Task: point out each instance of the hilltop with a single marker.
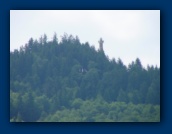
(72, 81)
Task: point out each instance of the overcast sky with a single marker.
(127, 34)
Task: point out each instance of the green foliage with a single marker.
(69, 81)
(92, 111)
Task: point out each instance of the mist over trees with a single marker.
(70, 81)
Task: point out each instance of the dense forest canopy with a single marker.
(70, 81)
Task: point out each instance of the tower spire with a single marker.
(101, 41)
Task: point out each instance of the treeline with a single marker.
(48, 77)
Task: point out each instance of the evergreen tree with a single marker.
(72, 81)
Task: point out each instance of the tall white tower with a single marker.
(101, 44)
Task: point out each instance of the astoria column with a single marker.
(101, 44)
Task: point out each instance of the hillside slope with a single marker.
(71, 81)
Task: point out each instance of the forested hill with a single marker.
(72, 81)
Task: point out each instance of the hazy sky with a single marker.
(127, 34)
